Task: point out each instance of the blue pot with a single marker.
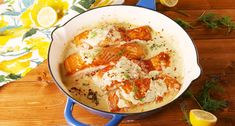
(139, 15)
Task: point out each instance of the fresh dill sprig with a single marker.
(214, 21)
(205, 98)
(183, 24)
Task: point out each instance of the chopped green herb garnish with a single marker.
(127, 76)
(142, 99)
(183, 24)
(155, 46)
(135, 89)
(93, 34)
(120, 53)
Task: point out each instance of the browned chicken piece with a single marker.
(141, 33)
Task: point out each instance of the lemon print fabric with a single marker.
(25, 31)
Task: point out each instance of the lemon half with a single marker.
(202, 118)
(46, 17)
(169, 3)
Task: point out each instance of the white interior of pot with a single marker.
(133, 15)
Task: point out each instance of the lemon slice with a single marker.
(199, 117)
(169, 3)
(46, 17)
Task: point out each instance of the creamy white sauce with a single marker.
(96, 35)
(157, 88)
(88, 55)
(129, 97)
(123, 70)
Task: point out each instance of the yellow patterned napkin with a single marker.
(24, 40)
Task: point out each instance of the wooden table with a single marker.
(35, 99)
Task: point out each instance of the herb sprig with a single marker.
(211, 20)
(205, 98)
(183, 24)
(214, 21)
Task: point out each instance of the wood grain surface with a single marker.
(36, 101)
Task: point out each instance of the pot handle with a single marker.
(73, 122)
(150, 4)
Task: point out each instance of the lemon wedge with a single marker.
(169, 3)
(46, 17)
(199, 117)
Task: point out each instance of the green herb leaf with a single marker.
(215, 21)
(29, 33)
(183, 24)
(205, 99)
(156, 46)
(2, 78)
(78, 9)
(227, 21)
(13, 76)
(93, 34)
(120, 53)
(135, 89)
(127, 76)
(86, 3)
(142, 99)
